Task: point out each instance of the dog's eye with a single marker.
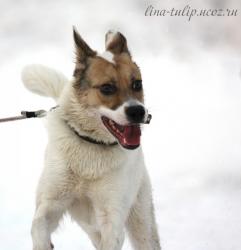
(136, 85)
(108, 89)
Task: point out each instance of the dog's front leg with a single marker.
(46, 218)
(110, 221)
(141, 222)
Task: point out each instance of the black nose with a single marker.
(135, 113)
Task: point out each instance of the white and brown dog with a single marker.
(94, 167)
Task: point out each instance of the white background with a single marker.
(191, 75)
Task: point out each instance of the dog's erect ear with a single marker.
(82, 49)
(116, 43)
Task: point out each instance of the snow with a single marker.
(192, 147)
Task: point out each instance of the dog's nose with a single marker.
(135, 113)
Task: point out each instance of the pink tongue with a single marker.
(132, 135)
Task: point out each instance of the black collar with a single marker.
(91, 140)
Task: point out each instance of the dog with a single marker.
(94, 167)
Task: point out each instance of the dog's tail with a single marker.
(43, 80)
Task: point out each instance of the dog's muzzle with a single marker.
(137, 114)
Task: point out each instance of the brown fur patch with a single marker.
(100, 71)
(118, 44)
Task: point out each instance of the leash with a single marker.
(28, 114)
(25, 115)
(41, 113)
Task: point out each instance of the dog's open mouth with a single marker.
(128, 136)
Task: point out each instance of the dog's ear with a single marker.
(83, 51)
(116, 43)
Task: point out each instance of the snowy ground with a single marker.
(192, 146)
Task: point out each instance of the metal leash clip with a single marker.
(25, 115)
(33, 114)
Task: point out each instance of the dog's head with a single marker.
(110, 85)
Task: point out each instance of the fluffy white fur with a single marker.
(105, 189)
(108, 56)
(43, 80)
